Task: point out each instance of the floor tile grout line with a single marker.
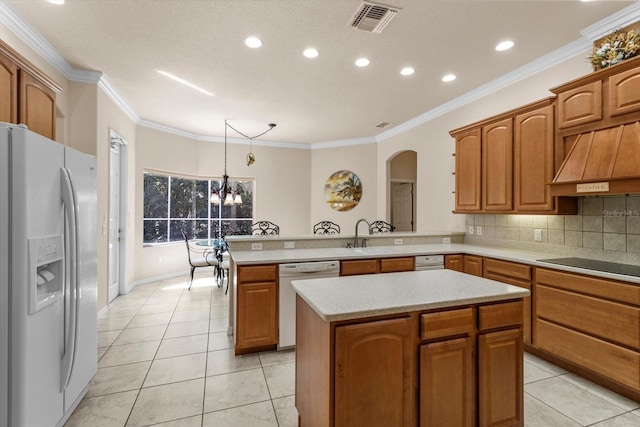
(554, 409)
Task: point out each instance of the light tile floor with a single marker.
(165, 360)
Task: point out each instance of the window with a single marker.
(173, 204)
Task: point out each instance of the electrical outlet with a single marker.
(470, 230)
(479, 230)
(446, 240)
(397, 241)
(256, 246)
(159, 260)
(289, 245)
(537, 235)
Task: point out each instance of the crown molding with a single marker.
(112, 92)
(622, 18)
(343, 143)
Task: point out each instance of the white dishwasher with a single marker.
(287, 299)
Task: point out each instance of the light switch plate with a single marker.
(470, 230)
(446, 240)
(256, 246)
(289, 245)
(479, 230)
(398, 242)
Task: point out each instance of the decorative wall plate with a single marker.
(343, 190)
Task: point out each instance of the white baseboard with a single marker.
(103, 312)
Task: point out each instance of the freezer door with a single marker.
(35, 338)
(82, 171)
(4, 277)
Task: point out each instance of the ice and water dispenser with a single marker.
(46, 267)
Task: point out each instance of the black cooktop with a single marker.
(590, 264)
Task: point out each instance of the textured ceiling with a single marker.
(324, 99)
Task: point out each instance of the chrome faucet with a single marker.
(355, 240)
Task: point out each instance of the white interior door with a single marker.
(402, 206)
(114, 219)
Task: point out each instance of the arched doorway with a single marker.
(403, 168)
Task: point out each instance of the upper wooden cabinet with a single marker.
(468, 170)
(580, 105)
(624, 92)
(497, 166)
(533, 160)
(504, 164)
(27, 95)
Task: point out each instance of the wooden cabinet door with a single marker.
(473, 265)
(580, 105)
(500, 377)
(624, 92)
(391, 265)
(533, 160)
(257, 315)
(8, 90)
(497, 166)
(374, 374)
(468, 171)
(454, 262)
(447, 390)
(37, 106)
(359, 266)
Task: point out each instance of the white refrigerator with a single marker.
(48, 288)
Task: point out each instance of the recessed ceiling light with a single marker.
(448, 77)
(56, 1)
(311, 53)
(362, 62)
(407, 71)
(505, 45)
(253, 42)
(185, 82)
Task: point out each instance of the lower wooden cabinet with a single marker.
(377, 265)
(473, 265)
(447, 390)
(257, 308)
(374, 374)
(500, 378)
(454, 262)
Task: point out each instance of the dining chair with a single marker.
(264, 228)
(381, 227)
(207, 259)
(326, 227)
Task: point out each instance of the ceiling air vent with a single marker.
(373, 17)
(383, 125)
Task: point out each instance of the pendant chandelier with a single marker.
(225, 193)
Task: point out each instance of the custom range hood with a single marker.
(601, 162)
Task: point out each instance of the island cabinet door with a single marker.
(374, 374)
(446, 384)
(500, 376)
(257, 321)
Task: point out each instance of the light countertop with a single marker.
(355, 297)
(332, 254)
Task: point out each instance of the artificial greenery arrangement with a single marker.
(615, 48)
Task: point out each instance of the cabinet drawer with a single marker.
(360, 266)
(257, 273)
(591, 315)
(390, 265)
(506, 269)
(624, 92)
(580, 105)
(619, 364)
(608, 289)
(499, 315)
(446, 323)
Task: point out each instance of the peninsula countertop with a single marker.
(332, 254)
(355, 297)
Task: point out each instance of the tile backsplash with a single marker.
(605, 227)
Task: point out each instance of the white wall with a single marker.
(359, 159)
(434, 145)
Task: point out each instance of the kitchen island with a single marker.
(405, 349)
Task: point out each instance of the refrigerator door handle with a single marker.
(71, 279)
